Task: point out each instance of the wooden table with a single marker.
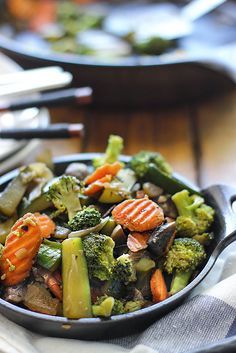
(198, 140)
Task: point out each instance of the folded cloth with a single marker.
(204, 323)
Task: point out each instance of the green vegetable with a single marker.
(152, 46)
(103, 306)
(104, 309)
(112, 153)
(144, 265)
(109, 226)
(195, 217)
(170, 183)
(76, 288)
(5, 228)
(15, 190)
(111, 195)
(98, 249)
(127, 177)
(49, 255)
(87, 218)
(65, 195)
(141, 161)
(84, 232)
(204, 238)
(39, 204)
(124, 270)
(131, 306)
(183, 258)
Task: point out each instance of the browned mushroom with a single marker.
(161, 239)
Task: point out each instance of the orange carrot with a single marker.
(102, 171)
(97, 185)
(138, 215)
(22, 244)
(46, 225)
(158, 287)
(137, 241)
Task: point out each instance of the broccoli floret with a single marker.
(118, 307)
(183, 258)
(98, 249)
(195, 217)
(65, 195)
(113, 150)
(124, 270)
(204, 238)
(87, 218)
(140, 163)
(131, 306)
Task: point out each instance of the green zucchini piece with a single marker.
(76, 288)
(170, 184)
(49, 255)
(12, 195)
(109, 226)
(5, 228)
(39, 204)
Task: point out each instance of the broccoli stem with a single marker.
(179, 281)
(76, 288)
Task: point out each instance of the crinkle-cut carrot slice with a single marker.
(97, 185)
(46, 224)
(138, 215)
(22, 245)
(158, 287)
(102, 171)
(137, 241)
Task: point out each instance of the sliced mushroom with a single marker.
(161, 239)
(15, 294)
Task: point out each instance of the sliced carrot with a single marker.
(102, 171)
(137, 241)
(158, 287)
(97, 185)
(138, 215)
(22, 244)
(46, 225)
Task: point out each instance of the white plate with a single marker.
(14, 152)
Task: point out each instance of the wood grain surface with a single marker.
(199, 141)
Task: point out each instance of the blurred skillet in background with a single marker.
(124, 72)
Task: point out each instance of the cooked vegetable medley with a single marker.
(105, 240)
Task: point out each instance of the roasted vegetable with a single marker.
(38, 298)
(103, 307)
(183, 258)
(195, 217)
(104, 170)
(49, 255)
(87, 218)
(5, 228)
(95, 229)
(76, 288)
(65, 195)
(141, 161)
(22, 244)
(98, 249)
(158, 287)
(12, 195)
(137, 241)
(138, 215)
(39, 204)
(161, 239)
(46, 224)
(124, 270)
(113, 151)
(170, 183)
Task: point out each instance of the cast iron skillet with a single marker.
(220, 197)
(146, 81)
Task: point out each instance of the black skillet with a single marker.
(220, 197)
(205, 69)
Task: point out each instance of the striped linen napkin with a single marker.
(204, 323)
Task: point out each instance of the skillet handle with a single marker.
(222, 198)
